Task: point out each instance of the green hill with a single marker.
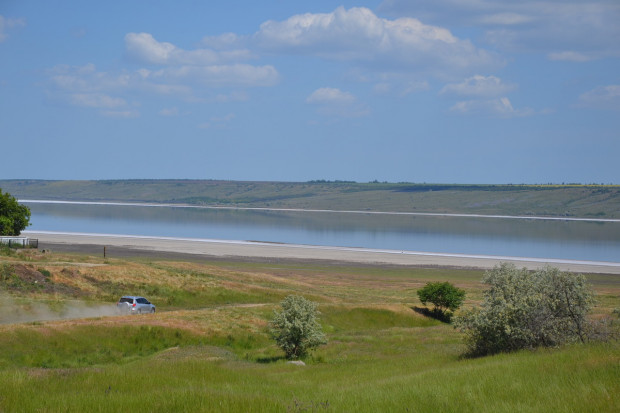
(602, 201)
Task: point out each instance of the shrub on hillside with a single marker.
(296, 328)
(525, 309)
(444, 296)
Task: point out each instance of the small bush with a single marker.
(296, 328)
(524, 309)
(444, 296)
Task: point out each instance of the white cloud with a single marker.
(382, 88)
(144, 48)
(603, 97)
(96, 100)
(335, 102)
(239, 75)
(387, 50)
(223, 41)
(589, 27)
(235, 96)
(201, 66)
(569, 56)
(87, 79)
(404, 88)
(487, 97)
(330, 95)
(217, 121)
(226, 118)
(87, 86)
(501, 107)
(483, 86)
(169, 111)
(358, 35)
(505, 19)
(7, 24)
(413, 87)
(123, 114)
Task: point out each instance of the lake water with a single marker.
(559, 239)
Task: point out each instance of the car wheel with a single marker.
(140, 311)
(152, 310)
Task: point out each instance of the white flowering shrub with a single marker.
(527, 309)
(296, 328)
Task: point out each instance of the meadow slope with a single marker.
(207, 347)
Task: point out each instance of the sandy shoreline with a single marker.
(151, 246)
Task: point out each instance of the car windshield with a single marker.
(126, 300)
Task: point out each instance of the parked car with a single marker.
(131, 304)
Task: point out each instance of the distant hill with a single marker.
(600, 201)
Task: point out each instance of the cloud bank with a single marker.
(576, 30)
(359, 36)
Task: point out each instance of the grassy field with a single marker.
(207, 347)
(592, 201)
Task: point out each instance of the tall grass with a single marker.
(209, 350)
(581, 378)
(39, 346)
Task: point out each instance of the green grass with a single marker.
(417, 378)
(360, 319)
(81, 346)
(208, 349)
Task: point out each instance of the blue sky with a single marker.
(443, 91)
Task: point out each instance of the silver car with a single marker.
(131, 304)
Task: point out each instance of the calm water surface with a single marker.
(594, 241)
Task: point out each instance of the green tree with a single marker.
(444, 296)
(13, 217)
(527, 309)
(296, 328)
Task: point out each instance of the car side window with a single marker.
(141, 301)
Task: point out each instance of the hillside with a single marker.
(602, 201)
(208, 348)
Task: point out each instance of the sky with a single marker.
(442, 91)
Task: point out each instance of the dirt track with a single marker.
(125, 246)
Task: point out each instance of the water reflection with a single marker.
(598, 241)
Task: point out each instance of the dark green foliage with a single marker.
(13, 217)
(524, 309)
(444, 296)
(296, 328)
